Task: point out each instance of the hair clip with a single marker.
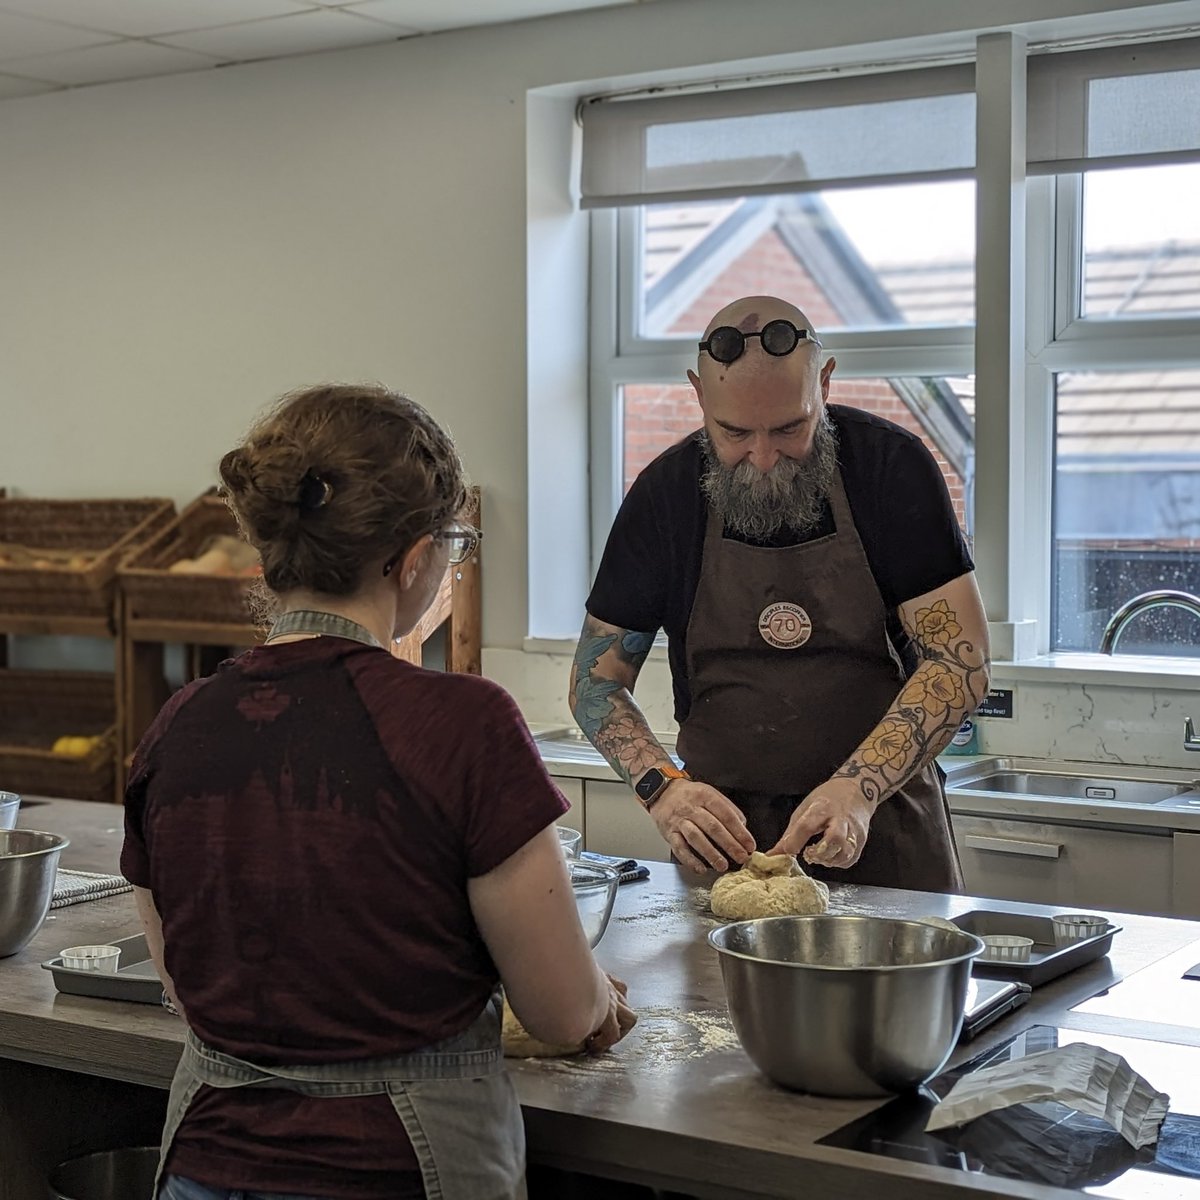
(315, 491)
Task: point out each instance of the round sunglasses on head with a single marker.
(778, 338)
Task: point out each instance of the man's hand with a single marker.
(837, 813)
(703, 828)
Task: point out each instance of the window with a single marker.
(862, 258)
(1141, 242)
(704, 198)
(938, 410)
(1127, 505)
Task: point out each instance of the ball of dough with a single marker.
(517, 1043)
(769, 885)
(940, 923)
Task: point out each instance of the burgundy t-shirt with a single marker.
(307, 819)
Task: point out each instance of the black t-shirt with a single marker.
(651, 565)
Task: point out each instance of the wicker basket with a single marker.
(37, 708)
(153, 594)
(104, 530)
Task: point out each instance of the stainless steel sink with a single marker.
(1063, 785)
(570, 744)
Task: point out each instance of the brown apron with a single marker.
(790, 667)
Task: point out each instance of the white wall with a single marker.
(176, 252)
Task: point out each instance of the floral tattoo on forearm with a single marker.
(950, 680)
(604, 707)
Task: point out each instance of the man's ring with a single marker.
(852, 840)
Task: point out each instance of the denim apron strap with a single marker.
(455, 1100)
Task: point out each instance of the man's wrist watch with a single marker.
(652, 785)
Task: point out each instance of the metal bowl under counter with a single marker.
(125, 1174)
(28, 869)
(846, 1005)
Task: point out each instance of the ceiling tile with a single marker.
(20, 37)
(430, 15)
(320, 29)
(104, 64)
(149, 18)
(11, 87)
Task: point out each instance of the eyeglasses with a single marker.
(778, 338)
(462, 540)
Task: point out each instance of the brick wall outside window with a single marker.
(658, 415)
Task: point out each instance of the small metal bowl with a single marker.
(595, 888)
(846, 1005)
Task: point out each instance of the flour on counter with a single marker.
(846, 899)
(661, 1038)
(666, 1035)
(658, 906)
(655, 907)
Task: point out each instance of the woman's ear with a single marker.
(409, 567)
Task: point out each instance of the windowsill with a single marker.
(1118, 670)
(566, 647)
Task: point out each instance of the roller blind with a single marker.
(871, 129)
(1132, 106)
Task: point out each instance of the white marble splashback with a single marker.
(1094, 722)
(1054, 717)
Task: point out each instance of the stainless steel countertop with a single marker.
(676, 1104)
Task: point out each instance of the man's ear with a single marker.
(697, 387)
(826, 372)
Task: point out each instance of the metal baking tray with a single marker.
(135, 978)
(1047, 959)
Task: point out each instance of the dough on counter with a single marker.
(769, 885)
(518, 1043)
(940, 923)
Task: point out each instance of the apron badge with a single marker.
(784, 626)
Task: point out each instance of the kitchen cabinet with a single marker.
(1185, 877)
(572, 790)
(615, 823)
(1070, 866)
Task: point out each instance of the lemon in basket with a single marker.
(76, 747)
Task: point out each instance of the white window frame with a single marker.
(1058, 339)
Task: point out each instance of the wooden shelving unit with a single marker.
(59, 601)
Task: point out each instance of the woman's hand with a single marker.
(619, 1021)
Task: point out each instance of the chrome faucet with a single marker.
(1166, 598)
(1190, 740)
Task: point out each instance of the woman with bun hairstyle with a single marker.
(339, 857)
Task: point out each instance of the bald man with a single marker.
(826, 637)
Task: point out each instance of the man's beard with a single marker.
(758, 505)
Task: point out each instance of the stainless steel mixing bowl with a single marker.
(845, 1006)
(28, 868)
